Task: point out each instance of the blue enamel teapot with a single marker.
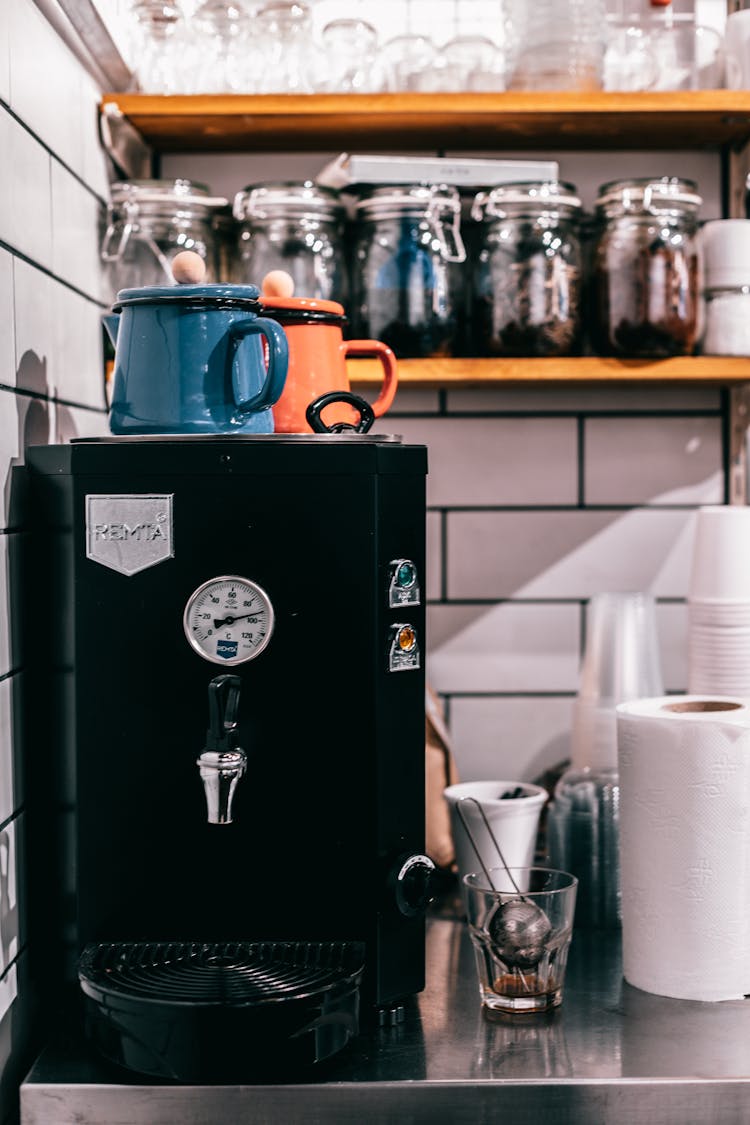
(194, 358)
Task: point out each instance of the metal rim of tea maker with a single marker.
(240, 439)
(517, 927)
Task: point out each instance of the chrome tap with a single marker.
(222, 763)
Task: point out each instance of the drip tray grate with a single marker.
(238, 972)
(220, 1011)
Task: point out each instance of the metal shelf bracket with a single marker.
(124, 144)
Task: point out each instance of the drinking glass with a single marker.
(688, 57)
(162, 47)
(282, 50)
(405, 60)
(521, 938)
(222, 28)
(679, 55)
(465, 63)
(555, 44)
(630, 60)
(348, 63)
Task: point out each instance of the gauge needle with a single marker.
(218, 622)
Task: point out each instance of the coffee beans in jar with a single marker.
(646, 268)
(527, 275)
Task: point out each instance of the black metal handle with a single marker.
(366, 413)
(223, 704)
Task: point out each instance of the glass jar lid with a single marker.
(163, 198)
(532, 198)
(258, 202)
(392, 200)
(653, 195)
(438, 204)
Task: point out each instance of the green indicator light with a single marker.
(406, 575)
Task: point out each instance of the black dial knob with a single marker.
(414, 884)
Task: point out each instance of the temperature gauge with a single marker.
(228, 620)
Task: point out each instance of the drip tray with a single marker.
(221, 1011)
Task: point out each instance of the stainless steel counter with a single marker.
(610, 1054)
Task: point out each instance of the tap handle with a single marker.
(223, 704)
(222, 762)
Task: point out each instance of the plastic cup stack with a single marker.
(621, 662)
(719, 603)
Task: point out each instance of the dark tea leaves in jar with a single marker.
(646, 271)
(527, 275)
(407, 281)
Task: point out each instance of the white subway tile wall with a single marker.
(5, 52)
(650, 460)
(53, 191)
(509, 737)
(492, 461)
(8, 334)
(537, 500)
(45, 84)
(589, 401)
(76, 212)
(27, 223)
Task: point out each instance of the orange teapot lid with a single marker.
(276, 294)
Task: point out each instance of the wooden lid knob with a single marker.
(188, 268)
(278, 283)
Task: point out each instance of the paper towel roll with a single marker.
(684, 764)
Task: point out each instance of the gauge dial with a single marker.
(228, 620)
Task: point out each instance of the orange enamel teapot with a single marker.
(317, 375)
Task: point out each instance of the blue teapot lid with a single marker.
(189, 294)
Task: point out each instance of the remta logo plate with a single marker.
(129, 533)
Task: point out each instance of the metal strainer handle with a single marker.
(491, 834)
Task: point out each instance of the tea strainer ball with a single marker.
(518, 931)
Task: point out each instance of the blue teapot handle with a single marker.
(278, 362)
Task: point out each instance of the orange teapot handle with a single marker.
(382, 352)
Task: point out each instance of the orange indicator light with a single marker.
(407, 638)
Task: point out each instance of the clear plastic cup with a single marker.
(621, 662)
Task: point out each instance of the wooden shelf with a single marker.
(709, 119)
(460, 373)
(377, 122)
